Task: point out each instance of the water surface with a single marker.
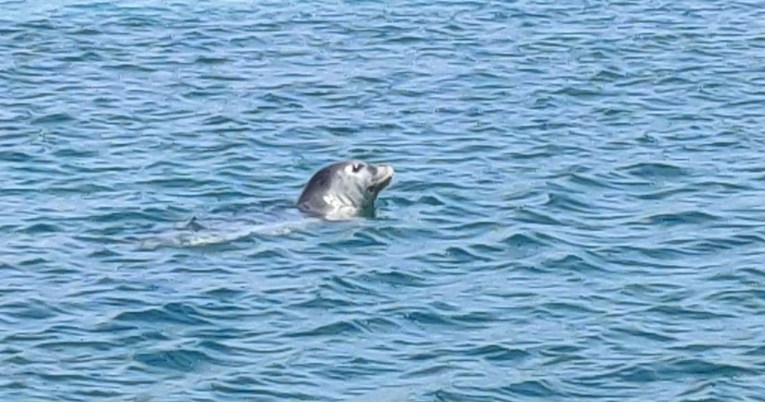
(577, 212)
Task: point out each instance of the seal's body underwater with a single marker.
(344, 189)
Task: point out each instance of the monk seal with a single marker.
(339, 191)
(345, 189)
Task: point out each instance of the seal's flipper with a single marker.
(193, 225)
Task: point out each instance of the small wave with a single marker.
(171, 313)
(41, 228)
(500, 353)
(185, 360)
(53, 118)
(346, 328)
(681, 218)
(654, 170)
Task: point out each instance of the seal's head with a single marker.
(344, 189)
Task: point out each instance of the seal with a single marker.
(339, 191)
(345, 189)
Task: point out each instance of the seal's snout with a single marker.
(385, 171)
(383, 176)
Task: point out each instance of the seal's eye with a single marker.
(357, 167)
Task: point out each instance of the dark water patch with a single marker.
(41, 228)
(80, 189)
(566, 202)
(644, 334)
(184, 360)
(53, 118)
(182, 183)
(104, 253)
(667, 193)
(395, 278)
(212, 60)
(225, 350)
(654, 170)
(631, 374)
(426, 318)
(529, 388)
(33, 309)
(222, 78)
(690, 313)
(590, 181)
(266, 391)
(361, 239)
(222, 121)
(499, 353)
(433, 369)
(343, 328)
(359, 367)
(350, 286)
(570, 310)
(696, 367)
(747, 299)
(575, 263)
(683, 217)
(461, 254)
(716, 244)
(148, 215)
(171, 313)
(541, 217)
(323, 302)
(225, 293)
(240, 384)
(523, 245)
(15, 156)
(65, 153)
(486, 250)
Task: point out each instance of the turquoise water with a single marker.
(578, 211)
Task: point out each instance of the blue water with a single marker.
(578, 211)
